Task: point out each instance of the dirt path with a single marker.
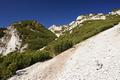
(97, 58)
(45, 70)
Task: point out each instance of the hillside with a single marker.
(96, 58)
(82, 31)
(24, 35)
(59, 30)
(28, 42)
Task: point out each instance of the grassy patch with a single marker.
(81, 33)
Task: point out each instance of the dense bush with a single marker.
(35, 34)
(62, 46)
(14, 61)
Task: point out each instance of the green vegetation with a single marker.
(62, 45)
(39, 37)
(81, 33)
(34, 34)
(14, 61)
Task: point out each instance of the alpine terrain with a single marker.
(88, 48)
(27, 34)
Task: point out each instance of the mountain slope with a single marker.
(59, 30)
(82, 32)
(97, 58)
(28, 32)
(25, 35)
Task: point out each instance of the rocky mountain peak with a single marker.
(114, 12)
(10, 41)
(59, 30)
(22, 33)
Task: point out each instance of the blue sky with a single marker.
(49, 12)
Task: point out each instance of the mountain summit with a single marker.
(94, 57)
(24, 35)
(85, 49)
(59, 30)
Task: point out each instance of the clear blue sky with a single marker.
(50, 12)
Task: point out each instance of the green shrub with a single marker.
(81, 33)
(15, 61)
(62, 46)
(34, 34)
(39, 56)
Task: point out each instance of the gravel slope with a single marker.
(97, 58)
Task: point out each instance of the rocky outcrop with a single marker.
(25, 35)
(97, 58)
(59, 30)
(115, 12)
(10, 42)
